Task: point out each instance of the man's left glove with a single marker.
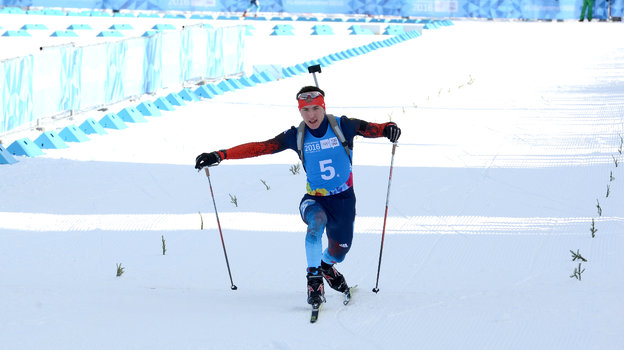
(392, 132)
(207, 159)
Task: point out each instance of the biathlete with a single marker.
(252, 4)
(324, 144)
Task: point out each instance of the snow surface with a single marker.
(511, 133)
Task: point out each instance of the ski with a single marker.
(316, 307)
(347, 295)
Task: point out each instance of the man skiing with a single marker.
(324, 144)
(252, 3)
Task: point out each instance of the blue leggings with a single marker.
(332, 214)
(253, 3)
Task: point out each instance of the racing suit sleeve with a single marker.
(353, 127)
(277, 144)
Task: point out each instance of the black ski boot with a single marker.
(335, 279)
(316, 290)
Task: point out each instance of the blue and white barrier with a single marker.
(68, 78)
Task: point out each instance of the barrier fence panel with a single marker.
(16, 98)
(170, 58)
(48, 83)
(152, 63)
(231, 44)
(194, 53)
(93, 76)
(114, 82)
(133, 67)
(215, 63)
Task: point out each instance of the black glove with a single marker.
(207, 159)
(392, 132)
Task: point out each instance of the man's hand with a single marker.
(392, 132)
(207, 159)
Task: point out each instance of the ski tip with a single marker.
(347, 295)
(315, 312)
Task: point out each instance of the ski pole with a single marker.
(315, 69)
(383, 232)
(220, 233)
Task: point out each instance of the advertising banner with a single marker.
(503, 9)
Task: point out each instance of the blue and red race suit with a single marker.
(329, 202)
(328, 172)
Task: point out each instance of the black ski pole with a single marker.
(315, 69)
(383, 232)
(220, 232)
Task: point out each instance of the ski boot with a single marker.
(335, 279)
(316, 290)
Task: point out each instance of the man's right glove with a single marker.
(207, 159)
(392, 132)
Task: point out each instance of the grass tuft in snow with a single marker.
(577, 272)
(233, 200)
(120, 270)
(577, 256)
(598, 207)
(294, 169)
(265, 184)
(164, 247)
(593, 228)
(202, 220)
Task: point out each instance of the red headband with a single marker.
(318, 101)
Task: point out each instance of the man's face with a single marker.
(313, 115)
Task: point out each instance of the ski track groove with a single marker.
(460, 225)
